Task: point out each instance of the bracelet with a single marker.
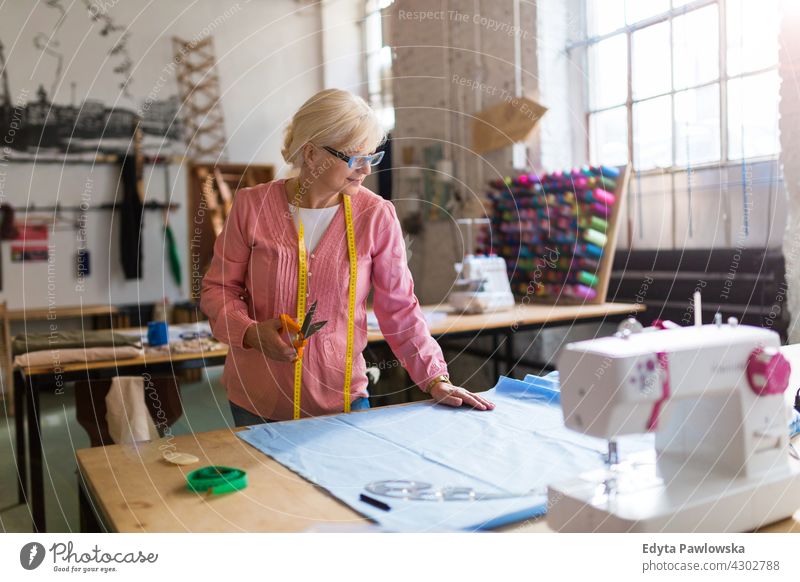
(436, 380)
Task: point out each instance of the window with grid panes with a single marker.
(680, 83)
(378, 63)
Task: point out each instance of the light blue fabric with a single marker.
(520, 446)
(794, 425)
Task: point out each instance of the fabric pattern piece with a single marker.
(516, 449)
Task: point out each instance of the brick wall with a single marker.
(451, 60)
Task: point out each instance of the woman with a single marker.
(320, 231)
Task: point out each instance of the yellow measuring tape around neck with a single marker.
(302, 286)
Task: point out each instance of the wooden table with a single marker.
(29, 381)
(96, 312)
(127, 488)
(506, 325)
(521, 318)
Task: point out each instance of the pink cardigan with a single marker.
(253, 277)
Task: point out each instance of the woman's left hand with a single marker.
(445, 393)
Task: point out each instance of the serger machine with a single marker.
(714, 397)
(482, 283)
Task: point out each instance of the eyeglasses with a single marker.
(356, 161)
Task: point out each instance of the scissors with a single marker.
(298, 335)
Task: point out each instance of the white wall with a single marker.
(558, 22)
(343, 45)
(268, 60)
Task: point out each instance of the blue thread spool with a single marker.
(609, 171)
(157, 333)
(588, 249)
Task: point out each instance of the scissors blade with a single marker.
(307, 319)
(315, 328)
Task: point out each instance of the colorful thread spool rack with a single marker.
(557, 231)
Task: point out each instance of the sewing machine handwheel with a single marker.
(768, 371)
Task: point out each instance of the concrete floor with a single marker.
(206, 408)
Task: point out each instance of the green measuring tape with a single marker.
(216, 479)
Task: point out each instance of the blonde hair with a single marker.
(333, 118)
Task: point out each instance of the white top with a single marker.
(315, 222)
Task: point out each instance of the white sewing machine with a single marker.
(714, 396)
(481, 281)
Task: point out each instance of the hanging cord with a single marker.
(745, 190)
(174, 256)
(640, 211)
(689, 179)
(8, 229)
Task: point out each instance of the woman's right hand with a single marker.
(266, 338)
